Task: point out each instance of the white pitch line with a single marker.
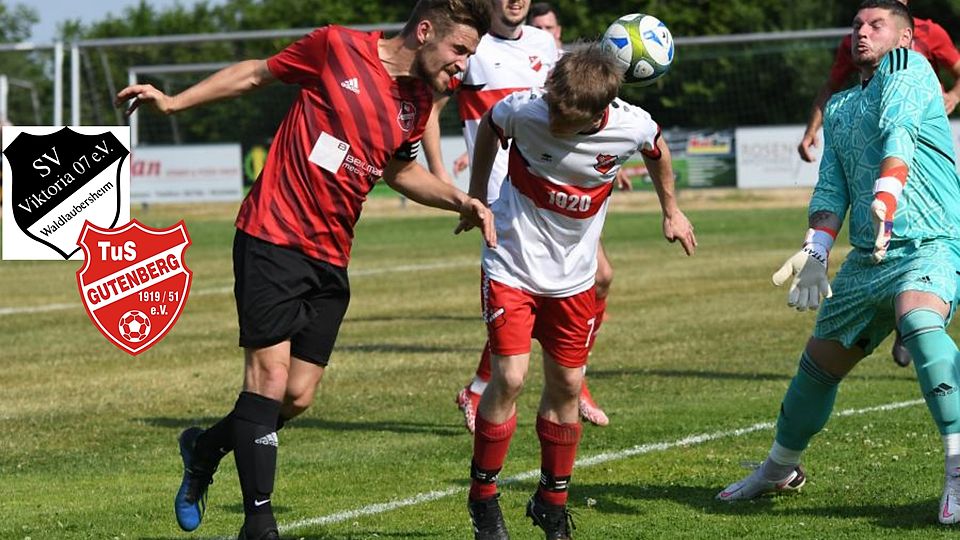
(24, 310)
(691, 440)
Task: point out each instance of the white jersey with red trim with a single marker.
(554, 200)
(499, 68)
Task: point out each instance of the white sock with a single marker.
(780, 462)
(477, 386)
(951, 449)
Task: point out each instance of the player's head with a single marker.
(544, 16)
(508, 15)
(446, 32)
(580, 88)
(879, 27)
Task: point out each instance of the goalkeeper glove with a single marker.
(886, 193)
(809, 270)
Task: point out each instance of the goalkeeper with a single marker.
(888, 160)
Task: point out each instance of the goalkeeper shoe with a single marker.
(555, 521)
(191, 499)
(950, 500)
(589, 410)
(755, 485)
(467, 401)
(487, 519)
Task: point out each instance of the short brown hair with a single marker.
(445, 14)
(584, 82)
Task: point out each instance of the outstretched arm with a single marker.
(416, 183)
(676, 226)
(229, 82)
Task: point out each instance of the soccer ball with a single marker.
(642, 45)
(134, 326)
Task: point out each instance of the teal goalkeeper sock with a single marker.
(935, 357)
(806, 406)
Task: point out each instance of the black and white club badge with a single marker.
(54, 180)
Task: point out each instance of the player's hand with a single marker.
(461, 163)
(677, 227)
(808, 267)
(474, 213)
(883, 224)
(623, 181)
(807, 144)
(143, 93)
(950, 101)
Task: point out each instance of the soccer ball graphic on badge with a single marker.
(134, 326)
(642, 45)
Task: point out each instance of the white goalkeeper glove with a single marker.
(886, 193)
(809, 270)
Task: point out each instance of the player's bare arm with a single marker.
(484, 154)
(810, 139)
(229, 82)
(676, 226)
(410, 179)
(431, 140)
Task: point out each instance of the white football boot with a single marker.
(950, 500)
(755, 485)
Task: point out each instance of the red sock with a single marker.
(483, 370)
(558, 450)
(490, 444)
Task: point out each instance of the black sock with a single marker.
(217, 441)
(254, 428)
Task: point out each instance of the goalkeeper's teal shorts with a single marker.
(861, 312)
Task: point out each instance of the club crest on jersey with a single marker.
(604, 163)
(535, 63)
(134, 281)
(407, 115)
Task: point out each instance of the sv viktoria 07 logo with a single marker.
(134, 281)
(54, 179)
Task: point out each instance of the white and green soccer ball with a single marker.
(642, 45)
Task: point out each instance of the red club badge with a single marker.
(134, 281)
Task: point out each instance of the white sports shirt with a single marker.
(554, 200)
(499, 68)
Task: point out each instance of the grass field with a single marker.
(691, 367)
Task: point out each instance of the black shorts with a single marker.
(283, 294)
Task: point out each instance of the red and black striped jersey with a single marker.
(348, 121)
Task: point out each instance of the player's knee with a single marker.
(296, 404)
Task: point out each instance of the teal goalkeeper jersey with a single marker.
(897, 113)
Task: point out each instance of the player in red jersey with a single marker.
(568, 141)
(929, 39)
(363, 103)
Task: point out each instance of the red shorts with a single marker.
(563, 326)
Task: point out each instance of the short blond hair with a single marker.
(584, 82)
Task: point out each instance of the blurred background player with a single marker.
(295, 228)
(887, 159)
(539, 281)
(511, 57)
(544, 16)
(932, 41)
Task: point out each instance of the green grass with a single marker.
(694, 345)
